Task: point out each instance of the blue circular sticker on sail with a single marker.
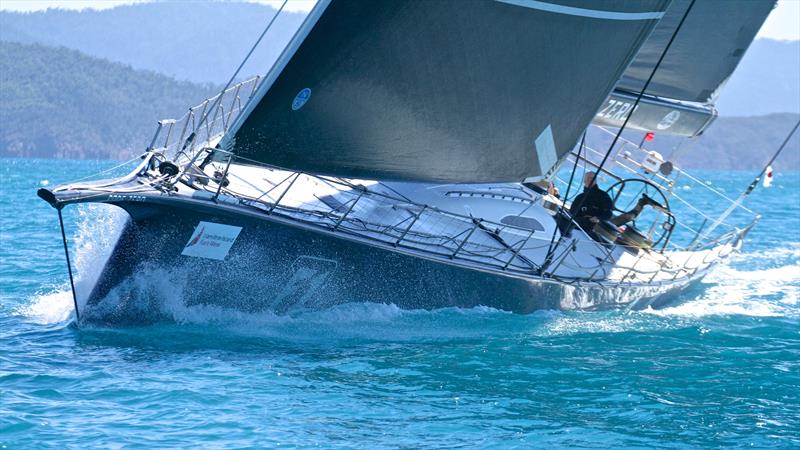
(301, 98)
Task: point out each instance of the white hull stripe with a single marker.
(583, 12)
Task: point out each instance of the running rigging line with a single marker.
(628, 116)
(751, 187)
(644, 89)
(238, 69)
(560, 212)
(775, 156)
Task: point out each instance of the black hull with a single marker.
(280, 265)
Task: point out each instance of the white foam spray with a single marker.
(98, 228)
(765, 283)
(49, 307)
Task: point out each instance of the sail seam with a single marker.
(584, 12)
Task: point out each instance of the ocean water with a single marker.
(720, 369)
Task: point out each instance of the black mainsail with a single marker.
(447, 90)
(680, 99)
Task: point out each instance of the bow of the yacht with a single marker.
(254, 237)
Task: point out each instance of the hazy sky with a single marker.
(39, 5)
(783, 23)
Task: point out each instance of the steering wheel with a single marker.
(637, 187)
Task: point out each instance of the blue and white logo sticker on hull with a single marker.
(211, 240)
(669, 120)
(301, 98)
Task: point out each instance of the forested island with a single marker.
(60, 103)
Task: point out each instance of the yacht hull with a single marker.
(280, 265)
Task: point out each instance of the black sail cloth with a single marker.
(446, 90)
(708, 48)
(680, 99)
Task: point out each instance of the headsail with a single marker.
(706, 51)
(448, 90)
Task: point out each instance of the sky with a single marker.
(782, 24)
(40, 5)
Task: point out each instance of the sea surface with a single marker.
(721, 369)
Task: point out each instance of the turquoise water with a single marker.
(720, 369)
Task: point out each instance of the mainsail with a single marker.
(710, 44)
(447, 90)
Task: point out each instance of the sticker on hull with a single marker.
(308, 276)
(211, 240)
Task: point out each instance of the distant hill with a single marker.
(56, 102)
(60, 103)
(740, 142)
(729, 143)
(743, 143)
(196, 41)
(205, 42)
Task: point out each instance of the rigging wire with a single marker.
(550, 249)
(238, 69)
(69, 265)
(680, 148)
(641, 94)
(627, 118)
(771, 160)
(749, 189)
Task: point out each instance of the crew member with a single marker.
(594, 204)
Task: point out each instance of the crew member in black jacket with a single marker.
(594, 204)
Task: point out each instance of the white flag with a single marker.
(768, 177)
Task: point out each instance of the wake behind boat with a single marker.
(397, 154)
